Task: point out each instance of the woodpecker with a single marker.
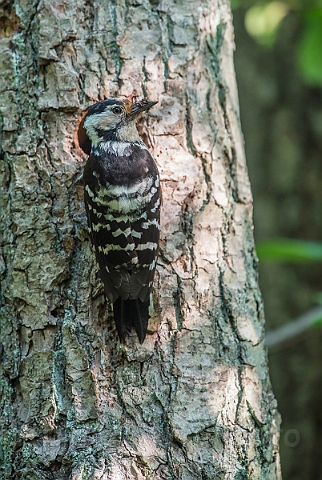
(122, 199)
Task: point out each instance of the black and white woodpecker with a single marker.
(122, 200)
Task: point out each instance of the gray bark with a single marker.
(194, 401)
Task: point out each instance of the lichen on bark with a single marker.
(194, 401)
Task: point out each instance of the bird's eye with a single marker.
(117, 110)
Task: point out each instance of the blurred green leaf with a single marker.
(316, 322)
(263, 20)
(236, 4)
(289, 251)
(310, 48)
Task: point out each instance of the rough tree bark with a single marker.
(194, 401)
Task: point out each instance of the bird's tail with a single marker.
(131, 313)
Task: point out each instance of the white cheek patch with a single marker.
(100, 121)
(91, 132)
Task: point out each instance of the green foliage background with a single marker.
(279, 73)
(264, 18)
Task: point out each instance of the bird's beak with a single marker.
(139, 107)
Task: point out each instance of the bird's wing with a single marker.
(146, 233)
(114, 248)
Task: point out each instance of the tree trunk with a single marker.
(194, 401)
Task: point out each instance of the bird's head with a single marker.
(112, 119)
